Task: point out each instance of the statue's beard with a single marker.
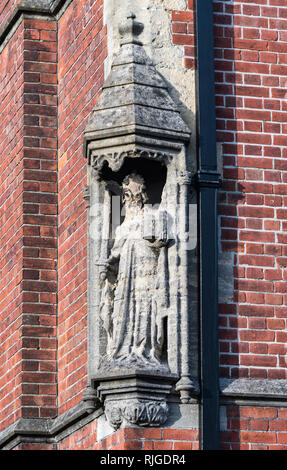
(134, 204)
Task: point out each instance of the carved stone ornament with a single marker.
(138, 182)
(116, 159)
(136, 412)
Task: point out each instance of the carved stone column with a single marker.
(186, 386)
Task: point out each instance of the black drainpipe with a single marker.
(208, 181)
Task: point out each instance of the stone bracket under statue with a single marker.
(139, 305)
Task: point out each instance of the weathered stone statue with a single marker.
(142, 341)
(134, 294)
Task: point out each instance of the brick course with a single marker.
(132, 439)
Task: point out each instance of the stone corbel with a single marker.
(135, 397)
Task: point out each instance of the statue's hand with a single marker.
(162, 242)
(112, 260)
(108, 268)
(157, 242)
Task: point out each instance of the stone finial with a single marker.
(130, 30)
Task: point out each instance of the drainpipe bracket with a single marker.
(208, 179)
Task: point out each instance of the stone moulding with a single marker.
(48, 430)
(245, 392)
(45, 8)
(254, 388)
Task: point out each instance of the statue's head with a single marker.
(134, 191)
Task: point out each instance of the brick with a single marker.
(182, 39)
(133, 433)
(179, 28)
(182, 16)
(245, 335)
(180, 434)
(259, 412)
(163, 445)
(183, 446)
(259, 425)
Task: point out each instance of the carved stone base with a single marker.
(136, 412)
(135, 397)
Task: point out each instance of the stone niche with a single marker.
(139, 306)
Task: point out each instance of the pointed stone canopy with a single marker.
(135, 98)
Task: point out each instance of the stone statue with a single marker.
(135, 291)
(142, 317)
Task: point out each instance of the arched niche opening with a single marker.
(153, 172)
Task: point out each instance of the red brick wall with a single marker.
(82, 50)
(251, 89)
(11, 149)
(151, 439)
(35, 446)
(83, 439)
(183, 32)
(255, 428)
(132, 439)
(251, 59)
(28, 222)
(6, 9)
(39, 218)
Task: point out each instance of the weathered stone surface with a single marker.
(141, 95)
(135, 396)
(136, 115)
(157, 41)
(254, 388)
(225, 277)
(135, 94)
(138, 412)
(135, 289)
